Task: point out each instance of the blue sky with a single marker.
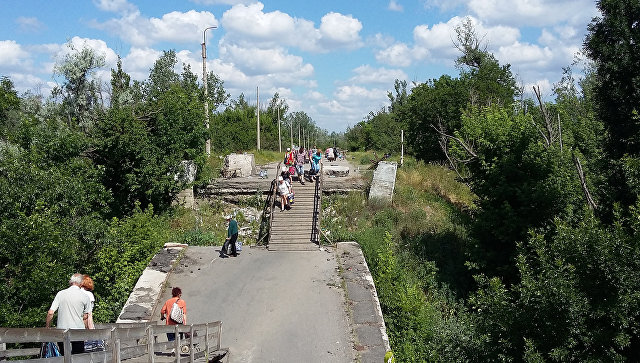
(334, 60)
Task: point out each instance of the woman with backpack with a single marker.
(174, 315)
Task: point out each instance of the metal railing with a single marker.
(317, 208)
(267, 211)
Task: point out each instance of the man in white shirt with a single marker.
(73, 307)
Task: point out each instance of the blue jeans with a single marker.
(300, 170)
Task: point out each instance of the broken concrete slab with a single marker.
(384, 182)
(238, 165)
(142, 300)
(335, 170)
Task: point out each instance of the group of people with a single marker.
(75, 308)
(294, 162)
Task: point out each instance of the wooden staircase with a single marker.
(293, 229)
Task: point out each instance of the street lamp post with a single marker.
(206, 87)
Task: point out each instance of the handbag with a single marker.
(176, 313)
(94, 346)
(49, 349)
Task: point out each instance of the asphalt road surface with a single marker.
(274, 306)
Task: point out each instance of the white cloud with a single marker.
(11, 54)
(255, 61)
(139, 61)
(525, 55)
(533, 13)
(251, 22)
(115, 6)
(366, 74)
(342, 31)
(394, 6)
(29, 24)
(175, 27)
(398, 55)
(249, 25)
(222, 2)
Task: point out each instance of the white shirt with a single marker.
(73, 304)
(283, 188)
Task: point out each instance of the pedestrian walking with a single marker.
(73, 307)
(167, 312)
(87, 287)
(300, 165)
(283, 190)
(232, 237)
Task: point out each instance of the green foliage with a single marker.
(9, 106)
(80, 93)
(129, 244)
(521, 183)
(613, 43)
(436, 103)
(52, 209)
(577, 299)
(141, 146)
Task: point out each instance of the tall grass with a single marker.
(416, 250)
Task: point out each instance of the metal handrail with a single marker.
(268, 207)
(273, 200)
(317, 207)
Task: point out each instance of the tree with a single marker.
(434, 105)
(613, 43)
(488, 82)
(9, 106)
(400, 98)
(577, 298)
(79, 92)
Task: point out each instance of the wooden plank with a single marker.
(86, 334)
(31, 335)
(293, 247)
(22, 352)
(41, 360)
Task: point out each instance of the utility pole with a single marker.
(258, 110)
(402, 147)
(207, 146)
(291, 131)
(279, 134)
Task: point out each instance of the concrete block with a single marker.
(384, 181)
(238, 165)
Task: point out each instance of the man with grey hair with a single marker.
(73, 307)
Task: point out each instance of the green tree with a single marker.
(577, 299)
(613, 43)
(432, 106)
(80, 92)
(9, 106)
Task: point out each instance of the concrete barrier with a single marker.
(384, 182)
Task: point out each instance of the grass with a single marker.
(416, 249)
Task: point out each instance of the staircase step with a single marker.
(300, 239)
(294, 247)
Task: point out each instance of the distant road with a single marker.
(274, 306)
